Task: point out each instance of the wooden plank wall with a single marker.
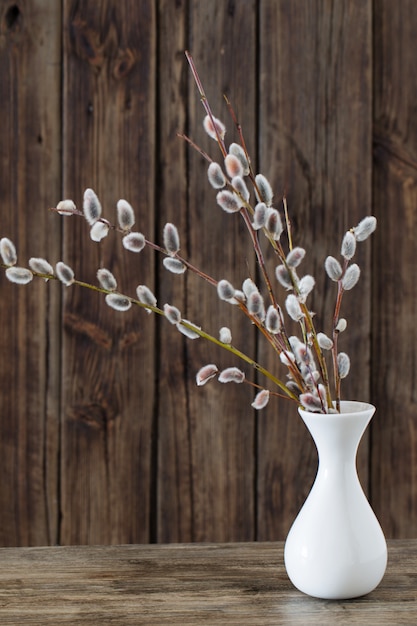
(104, 437)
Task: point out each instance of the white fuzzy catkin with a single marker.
(172, 314)
(188, 332)
(174, 265)
(145, 295)
(225, 290)
(333, 268)
(273, 320)
(365, 228)
(91, 206)
(106, 279)
(206, 373)
(66, 207)
(134, 242)
(118, 302)
(240, 187)
(19, 275)
(8, 251)
(273, 224)
(351, 277)
(256, 306)
(125, 214)
(228, 201)
(64, 273)
(283, 276)
(99, 231)
(341, 325)
(171, 239)
(305, 287)
(259, 216)
(215, 175)
(348, 248)
(343, 364)
(231, 375)
(41, 266)
(248, 287)
(293, 308)
(263, 190)
(324, 341)
(225, 335)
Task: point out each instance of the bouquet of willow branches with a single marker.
(314, 366)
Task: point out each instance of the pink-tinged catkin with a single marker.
(261, 400)
(216, 176)
(118, 302)
(99, 231)
(125, 215)
(91, 206)
(64, 273)
(231, 375)
(228, 201)
(295, 256)
(106, 279)
(41, 266)
(172, 314)
(239, 152)
(174, 265)
(256, 306)
(8, 251)
(134, 242)
(66, 207)
(19, 275)
(233, 166)
(206, 373)
(211, 130)
(171, 239)
(311, 402)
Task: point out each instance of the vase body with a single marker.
(336, 548)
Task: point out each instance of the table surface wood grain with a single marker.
(187, 584)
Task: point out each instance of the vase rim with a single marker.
(346, 407)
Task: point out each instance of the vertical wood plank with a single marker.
(29, 346)
(315, 147)
(394, 449)
(221, 422)
(174, 504)
(108, 357)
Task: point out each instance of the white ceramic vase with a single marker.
(336, 548)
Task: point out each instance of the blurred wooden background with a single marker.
(104, 436)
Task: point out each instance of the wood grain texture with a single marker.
(315, 147)
(188, 585)
(221, 420)
(394, 450)
(108, 358)
(29, 339)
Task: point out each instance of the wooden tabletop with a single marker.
(187, 584)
